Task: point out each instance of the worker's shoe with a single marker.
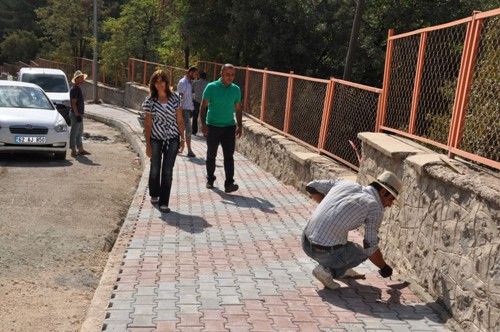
(325, 277)
(351, 274)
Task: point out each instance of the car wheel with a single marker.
(60, 155)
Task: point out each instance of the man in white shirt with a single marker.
(198, 87)
(185, 90)
(345, 206)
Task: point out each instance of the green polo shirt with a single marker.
(221, 103)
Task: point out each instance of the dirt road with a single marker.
(54, 220)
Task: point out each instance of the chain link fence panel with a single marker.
(442, 57)
(354, 110)
(254, 93)
(239, 80)
(402, 76)
(481, 134)
(277, 87)
(307, 110)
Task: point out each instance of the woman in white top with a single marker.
(164, 130)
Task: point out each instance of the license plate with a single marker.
(31, 139)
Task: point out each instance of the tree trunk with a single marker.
(186, 57)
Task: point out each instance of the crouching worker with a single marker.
(345, 206)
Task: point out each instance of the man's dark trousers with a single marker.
(224, 136)
(194, 124)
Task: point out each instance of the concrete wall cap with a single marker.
(419, 161)
(388, 145)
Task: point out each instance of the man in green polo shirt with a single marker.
(223, 99)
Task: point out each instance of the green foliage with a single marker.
(135, 33)
(19, 15)
(481, 133)
(67, 27)
(19, 46)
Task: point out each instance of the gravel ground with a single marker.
(57, 222)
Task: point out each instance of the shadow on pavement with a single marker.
(195, 160)
(245, 201)
(32, 160)
(187, 223)
(367, 300)
(86, 161)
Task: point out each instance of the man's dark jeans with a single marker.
(162, 164)
(194, 124)
(224, 136)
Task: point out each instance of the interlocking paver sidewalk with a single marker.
(234, 262)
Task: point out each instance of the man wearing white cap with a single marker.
(345, 206)
(76, 115)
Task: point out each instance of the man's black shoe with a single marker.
(230, 188)
(210, 183)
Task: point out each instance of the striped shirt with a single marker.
(164, 117)
(346, 206)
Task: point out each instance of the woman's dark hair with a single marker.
(159, 74)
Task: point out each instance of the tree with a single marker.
(19, 46)
(19, 15)
(135, 33)
(67, 26)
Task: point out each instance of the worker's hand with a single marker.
(239, 130)
(386, 271)
(204, 129)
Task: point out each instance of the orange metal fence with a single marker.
(140, 71)
(442, 87)
(116, 78)
(68, 69)
(320, 113)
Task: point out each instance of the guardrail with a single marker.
(441, 87)
(324, 114)
(140, 71)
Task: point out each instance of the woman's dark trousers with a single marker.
(162, 165)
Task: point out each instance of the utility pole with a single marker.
(94, 60)
(353, 42)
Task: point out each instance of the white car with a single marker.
(29, 122)
(54, 82)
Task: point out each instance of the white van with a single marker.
(55, 84)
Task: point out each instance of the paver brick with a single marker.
(222, 262)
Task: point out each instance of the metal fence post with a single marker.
(128, 70)
(144, 73)
(288, 107)
(263, 96)
(385, 86)
(418, 82)
(245, 97)
(133, 70)
(327, 110)
(467, 64)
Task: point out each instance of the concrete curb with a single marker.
(132, 137)
(96, 312)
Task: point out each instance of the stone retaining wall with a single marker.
(131, 97)
(444, 232)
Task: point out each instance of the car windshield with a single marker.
(23, 97)
(49, 83)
